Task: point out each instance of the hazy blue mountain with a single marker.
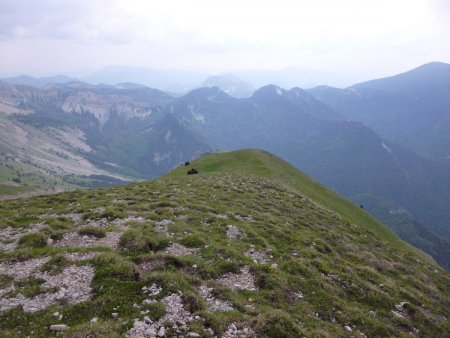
(347, 156)
(37, 81)
(170, 80)
(411, 109)
(230, 84)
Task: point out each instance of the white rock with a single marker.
(58, 327)
(150, 332)
(162, 332)
(94, 320)
(348, 328)
(114, 315)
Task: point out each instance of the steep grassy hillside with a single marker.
(248, 247)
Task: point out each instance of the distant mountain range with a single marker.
(411, 109)
(38, 82)
(236, 83)
(129, 131)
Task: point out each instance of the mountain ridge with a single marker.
(246, 247)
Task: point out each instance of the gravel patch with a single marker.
(214, 304)
(242, 281)
(72, 285)
(73, 239)
(175, 314)
(121, 222)
(234, 232)
(244, 331)
(256, 255)
(80, 256)
(21, 270)
(10, 236)
(180, 250)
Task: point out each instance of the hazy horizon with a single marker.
(352, 39)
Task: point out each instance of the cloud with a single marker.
(346, 35)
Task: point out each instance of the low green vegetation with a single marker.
(311, 263)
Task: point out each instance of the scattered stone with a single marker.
(162, 227)
(234, 233)
(256, 255)
(180, 250)
(73, 239)
(242, 281)
(298, 295)
(175, 313)
(214, 304)
(153, 290)
(56, 314)
(400, 310)
(348, 328)
(21, 270)
(94, 320)
(72, 285)
(114, 315)
(234, 332)
(80, 256)
(121, 222)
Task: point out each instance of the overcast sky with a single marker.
(369, 37)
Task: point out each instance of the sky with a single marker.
(371, 38)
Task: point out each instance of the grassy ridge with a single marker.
(261, 163)
(313, 272)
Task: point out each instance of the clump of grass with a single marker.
(92, 232)
(59, 223)
(192, 302)
(34, 240)
(5, 281)
(115, 266)
(100, 329)
(29, 287)
(139, 241)
(192, 241)
(277, 324)
(155, 310)
(55, 265)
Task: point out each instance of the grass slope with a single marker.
(317, 270)
(260, 163)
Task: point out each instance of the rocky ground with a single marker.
(150, 260)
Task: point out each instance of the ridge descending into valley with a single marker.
(248, 247)
(70, 135)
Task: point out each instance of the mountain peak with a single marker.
(269, 91)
